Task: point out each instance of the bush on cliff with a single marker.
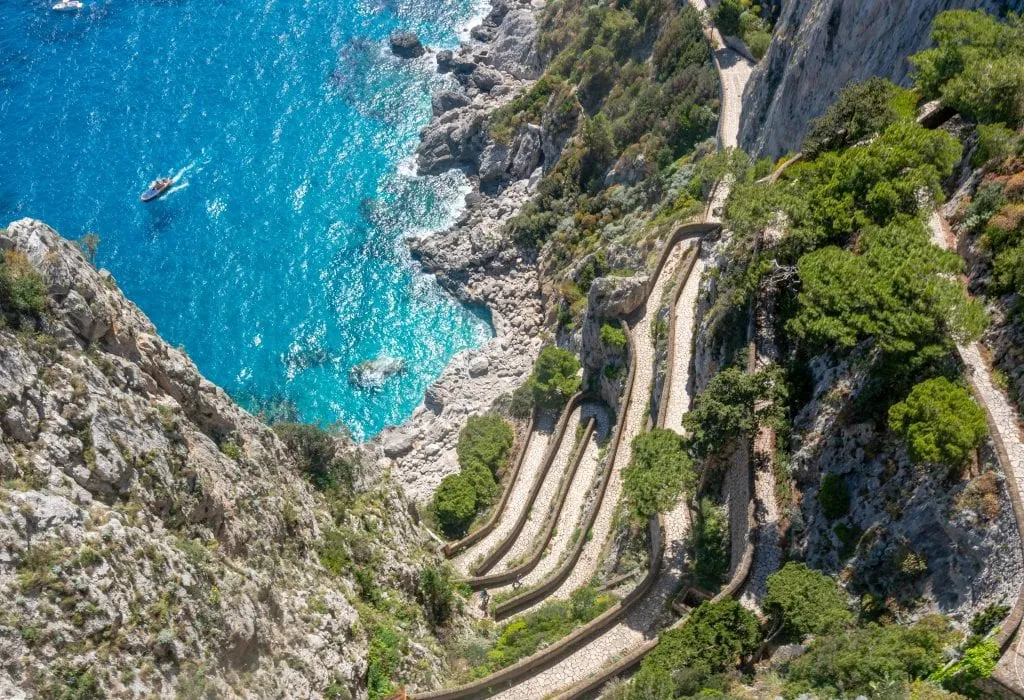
(976, 66)
(485, 441)
(711, 550)
(726, 408)
(555, 377)
(659, 472)
(863, 110)
(940, 422)
(715, 638)
(315, 453)
(22, 290)
(804, 601)
(455, 503)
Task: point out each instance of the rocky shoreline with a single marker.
(475, 260)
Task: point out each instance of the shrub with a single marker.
(613, 337)
(484, 485)
(803, 601)
(979, 661)
(554, 378)
(833, 496)
(726, 408)
(940, 422)
(868, 660)
(713, 639)
(455, 504)
(711, 534)
(485, 441)
(976, 66)
(522, 400)
(862, 110)
(658, 473)
(437, 594)
(21, 288)
(314, 450)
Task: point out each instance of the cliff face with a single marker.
(820, 46)
(154, 537)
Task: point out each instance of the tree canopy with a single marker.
(485, 441)
(863, 110)
(726, 408)
(803, 601)
(713, 639)
(940, 421)
(455, 503)
(976, 66)
(897, 287)
(554, 378)
(659, 472)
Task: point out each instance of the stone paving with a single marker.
(575, 500)
(535, 450)
(1007, 423)
(542, 505)
(642, 622)
(685, 314)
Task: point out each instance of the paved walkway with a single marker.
(1006, 418)
(575, 500)
(679, 388)
(643, 621)
(535, 450)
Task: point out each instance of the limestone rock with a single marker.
(616, 297)
(406, 45)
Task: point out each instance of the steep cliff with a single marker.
(154, 537)
(820, 46)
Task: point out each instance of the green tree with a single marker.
(455, 503)
(976, 66)
(437, 594)
(833, 497)
(485, 441)
(711, 535)
(862, 110)
(728, 408)
(715, 637)
(659, 472)
(554, 378)
(803, 601)
(940, 421)
(873, 661)
(898, 289)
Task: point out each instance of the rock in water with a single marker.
(371, 374)
(406, 45)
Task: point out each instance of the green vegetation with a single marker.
(898, 289)
(485, 441)
(437, 594)
(455, 503)
(613, 338)
(687, 660)
(711, 545)
(743, 19)
(873, 660)
(863, 110)
(541, 627)
(833, 496)
(555, 377)
(22, 290)
(483, 450)
(727, 408)
(802, 601)
(316, 454)
(658, 474)
(940, 422)
(976, 66)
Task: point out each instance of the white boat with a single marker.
(68, 5)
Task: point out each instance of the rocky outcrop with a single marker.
(819, 47)
(148, 521)
(406, 45)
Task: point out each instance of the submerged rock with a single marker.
(371, 374)
(406, 45)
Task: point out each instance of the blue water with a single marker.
(278, 259)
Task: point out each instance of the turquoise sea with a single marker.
(278, 258)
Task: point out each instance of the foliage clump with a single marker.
(22, 290)
(714, 638)
(863, 110)
(661, 469)
(731, 406)
(555, 377)
(940, 421)
(711, 545)
(802, 601)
